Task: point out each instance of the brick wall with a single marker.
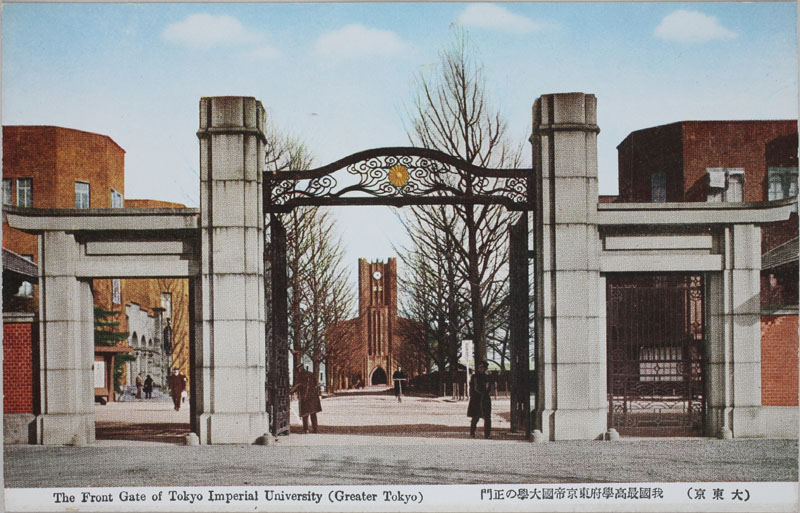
(18, 367)
(685, 149)
(644, 152)
(730, 144)
(779, 360)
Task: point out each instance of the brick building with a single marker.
(369, 348)
(49, 167)
(732, 161)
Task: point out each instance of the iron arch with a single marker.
(397, 177)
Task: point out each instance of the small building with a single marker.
(51, 167)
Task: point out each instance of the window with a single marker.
(725, 184)
(24, 192)
(116, 199)
(735, 190)
(81, 195)
(658, 187)
(116, 294)
(26, 289)
(7, 198)
(782, 182)
(166, 304)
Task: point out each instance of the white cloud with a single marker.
(692, 27)
(490, 16)
(206, 31)
(359, 41)
(264, 53)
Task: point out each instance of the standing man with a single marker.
(139, 386)
(308, 395)
(399, 378)
(148, 387)
(480, 403)
(177, 385)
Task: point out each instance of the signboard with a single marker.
(99, 374)
(466, 351)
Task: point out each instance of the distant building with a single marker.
(368, 349)
(52, 167)
(732, 161)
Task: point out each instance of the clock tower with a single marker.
(377, 307)
(366, 351)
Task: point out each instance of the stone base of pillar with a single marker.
(574, 424)
(231, 428)
(19, 428)
(717, 418)
(753, 421)
(65, 429)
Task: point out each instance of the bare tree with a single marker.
(317, 290)
(451, 113)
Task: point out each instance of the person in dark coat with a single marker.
(308, 395)
(177, 385)
(138, 386)
(399, 378)
(148, 387)
(480, 403)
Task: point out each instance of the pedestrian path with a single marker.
(365, 417)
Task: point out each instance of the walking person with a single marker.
(308, 395)
(148, 387)
(399, 378)
(177, 386)
(139, 386)
(480, 403)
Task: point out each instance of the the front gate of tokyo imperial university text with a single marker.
(397, 177)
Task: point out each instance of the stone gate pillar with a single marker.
(229, 355)
(66, 345)
(733, 337)
(570, 311)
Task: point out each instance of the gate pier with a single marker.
(229, 390)
(570, 307)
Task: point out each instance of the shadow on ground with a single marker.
(411, 430)
(170, 433)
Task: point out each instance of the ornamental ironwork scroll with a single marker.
(398, 176)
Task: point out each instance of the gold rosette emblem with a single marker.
(398, 175)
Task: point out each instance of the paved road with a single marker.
(369, 439)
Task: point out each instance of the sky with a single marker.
(341, 76)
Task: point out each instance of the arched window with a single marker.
(134, 340)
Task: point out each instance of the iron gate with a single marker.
(655, 335)
(393, 177)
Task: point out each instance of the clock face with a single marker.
(377, 275)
